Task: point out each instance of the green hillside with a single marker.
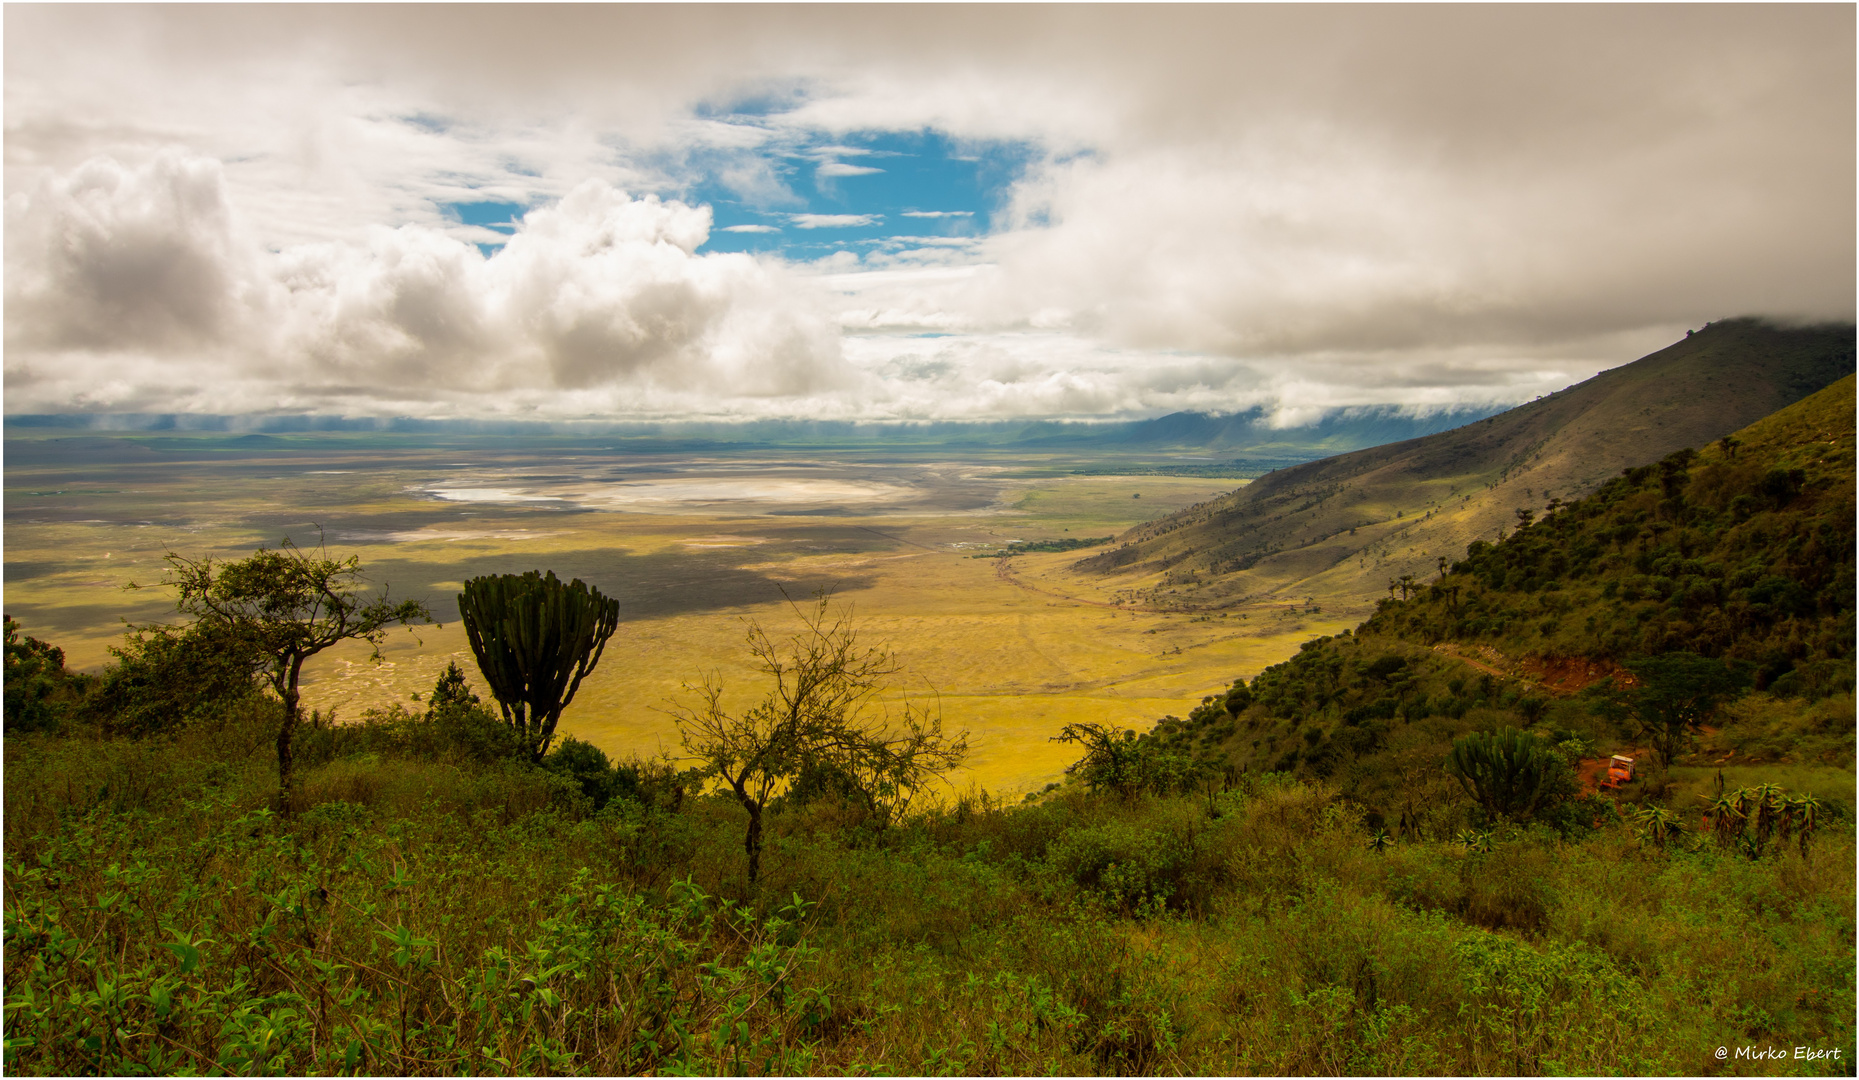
(1742, 550)
(1339, 528)
(1741, 554)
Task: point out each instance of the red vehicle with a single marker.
(1619, 771)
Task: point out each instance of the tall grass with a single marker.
(428, 916)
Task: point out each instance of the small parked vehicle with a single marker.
(1619, 771)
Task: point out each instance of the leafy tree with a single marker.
(1508, 772)
(39, 691)
(1676, 693)
(284, 606)
(167, 675)
(820, 714)
(535, 638)
(1117, 760)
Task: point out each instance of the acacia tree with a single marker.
(1677, 692)
(820, 713)
(1118, 760)
(535, 638)
(282, 607)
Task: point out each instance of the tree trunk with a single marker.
(519, 721)
(285, 758)
(544, 735)
(753, 842)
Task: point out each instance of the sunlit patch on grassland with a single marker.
(722, 541)
(418, 536)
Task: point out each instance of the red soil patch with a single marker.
(1573, 674)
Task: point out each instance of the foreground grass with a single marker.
(419, 916)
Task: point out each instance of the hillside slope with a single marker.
(1743, 550)
(1340, 529)
(1741, 553)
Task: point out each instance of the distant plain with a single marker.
(693, 541)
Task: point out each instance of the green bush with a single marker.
(165, 676)
(40, 693)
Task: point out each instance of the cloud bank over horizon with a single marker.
(667, 213)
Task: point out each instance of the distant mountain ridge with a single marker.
(1343, 525)
(1252, 430)
(1240, 444)
(1368, 425)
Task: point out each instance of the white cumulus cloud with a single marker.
(125, 284)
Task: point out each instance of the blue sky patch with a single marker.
(856, 191)
(497, 216)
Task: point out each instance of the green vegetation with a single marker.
(535, 639)
(1116, 760)
(1673, 694)
(1508, 773)
(1029, 547)
(430, 912)
(815, 733)
(274, 610)
(1288, 881)
(166, 675)
(39, 691)
(1743, 551)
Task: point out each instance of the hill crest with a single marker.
(1341, 527)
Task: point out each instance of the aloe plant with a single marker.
(1751, 818)
(1802, 818)
(1726, 818)
(535, 638)
(1475, 841)
(1656, 825)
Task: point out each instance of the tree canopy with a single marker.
(820, 714)
(283, 606)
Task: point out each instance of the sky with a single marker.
(896, 212)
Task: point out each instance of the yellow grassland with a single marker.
(1011, 653)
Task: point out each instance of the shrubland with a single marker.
(428, 908)
(434, 902)
(1377, 857)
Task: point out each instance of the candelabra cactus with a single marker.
(1507, 772)
(535, 638)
